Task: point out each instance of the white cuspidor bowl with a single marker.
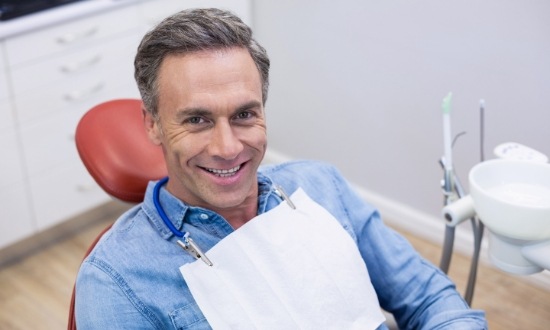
(512, 197)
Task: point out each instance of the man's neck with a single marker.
(237, 217)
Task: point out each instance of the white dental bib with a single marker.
(286, 269)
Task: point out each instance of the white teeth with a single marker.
(224, 173)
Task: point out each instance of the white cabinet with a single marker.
(75, 66)
(73, 79)
(16, 221)
(55, 75)
(73, 62)
(69, 36)
(6, 111)
(71, 191)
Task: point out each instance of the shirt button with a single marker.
(204, 216)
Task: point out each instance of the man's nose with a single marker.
(224, 142)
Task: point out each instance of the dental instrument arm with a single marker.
(453, 190)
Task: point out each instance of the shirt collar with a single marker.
(179, 212)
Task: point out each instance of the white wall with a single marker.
(359, 84)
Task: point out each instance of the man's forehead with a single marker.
(210, 80)
(208, 65)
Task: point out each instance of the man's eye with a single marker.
(244, 115)
(195, 120)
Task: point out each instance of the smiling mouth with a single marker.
(224, 173)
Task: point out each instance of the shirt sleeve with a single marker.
(102, 303)
(417, 293)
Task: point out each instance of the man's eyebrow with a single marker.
(249, 105)
(192, 112)
(202, 112)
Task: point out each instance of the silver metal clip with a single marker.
(193, 249)
(279, 190)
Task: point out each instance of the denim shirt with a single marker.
(131, 280)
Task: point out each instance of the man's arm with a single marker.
(419, 294)
(102, 302)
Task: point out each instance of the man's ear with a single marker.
(151, 127)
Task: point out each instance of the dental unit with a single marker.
(509, 195)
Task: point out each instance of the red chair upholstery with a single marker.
(113, 145)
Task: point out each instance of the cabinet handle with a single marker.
(83, 93)
(77, 66)
(73, 37)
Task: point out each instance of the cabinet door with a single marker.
(75, 66)
(3, 84)
(6, 114)
(16, 221)
(2, 57)
(6, 110)
(49, 141)
(11, 165)
(51, 93)
(71, 80)
(64, 192)
(69, 36)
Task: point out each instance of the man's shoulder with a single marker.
(299, 168)
(307, 174)
(130, 227)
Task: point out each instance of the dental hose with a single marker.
(477, 225)
(477, 228)
(448, 241)
(451, 183)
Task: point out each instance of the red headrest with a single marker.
(114, 147)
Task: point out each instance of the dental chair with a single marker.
(114, 147)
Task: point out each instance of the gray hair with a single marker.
(191, 31)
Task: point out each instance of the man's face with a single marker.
(211, 126)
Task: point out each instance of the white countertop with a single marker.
(55, 15)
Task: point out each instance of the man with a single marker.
(204, 81)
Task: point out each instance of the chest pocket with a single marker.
(189, 317)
